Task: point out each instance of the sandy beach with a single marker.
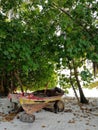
(72, 118)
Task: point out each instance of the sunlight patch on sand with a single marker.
(87, 92)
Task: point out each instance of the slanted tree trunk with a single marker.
(18, 79)
(82, 97)
(12, 82)
(71, 82)
(95, 68)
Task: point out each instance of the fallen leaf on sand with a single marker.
(87, 123)
(68, 110)
(43, 126)
(71, 121)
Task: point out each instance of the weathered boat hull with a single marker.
(33, 105)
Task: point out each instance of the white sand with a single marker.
(71, 119)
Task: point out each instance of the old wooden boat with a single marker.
(32, 103)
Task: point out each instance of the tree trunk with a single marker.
(71, 82)
(95, 68)
(12, 82)
(1, 86)
(4, 84)
(74, 89)
(46, 87)
(82, 97)
(18, 78)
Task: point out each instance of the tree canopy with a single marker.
(40, 37)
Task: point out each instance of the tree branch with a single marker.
(74, 20)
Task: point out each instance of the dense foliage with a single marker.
(39, 38)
